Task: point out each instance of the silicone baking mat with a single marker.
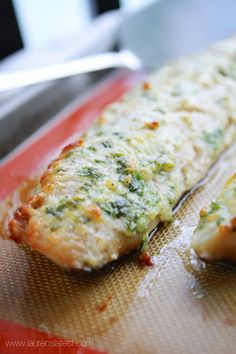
(179, 305)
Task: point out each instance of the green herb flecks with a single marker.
(134, 213)
(100, 161)
(214, 207)
(90, 172)
(107, 144)
(60, 169)
(163, 163)
(123, 166)
(119, 135)
(230, 71)
(68, 203)
(214, 138)
(117, 208)
(64, 203)
(92, 148)
(99, 133)
(85, 187)
(52, 211)
(153, 200)
(136, 185)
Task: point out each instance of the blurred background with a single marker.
(36, 33)
(39, 24)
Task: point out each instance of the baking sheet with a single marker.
(179, 305)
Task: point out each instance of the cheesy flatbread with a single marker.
(103, 195)
(215, 236)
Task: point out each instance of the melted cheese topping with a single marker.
(215, 237)
(104, 194)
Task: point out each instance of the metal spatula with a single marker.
(162, 31)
